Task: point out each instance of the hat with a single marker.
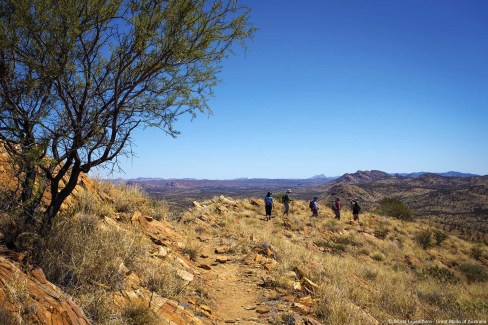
(337, 199)
(288, 191)
(315, 198)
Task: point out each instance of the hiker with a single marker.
(286, 202)
(355, 209)
(336, 206)
(268, 205)
(314, 206)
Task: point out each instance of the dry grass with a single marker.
(361, 277)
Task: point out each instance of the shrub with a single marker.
(378, 257)
(474, 272)
(476, 252)
(138, 314)
(381, 232)
(395, 208)
(80, 253)
(423, 239)
(6, 318)
(442, 274)
(439, 236)
(285, 318)
(162, 279)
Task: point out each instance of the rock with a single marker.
(136, 217)
(309, 284)
(123, 269)
(302, 308)
(250, 307)
(269, 266)
(204, 266)
(307, 320)
(205, 308)
(307, 301)
(204, 255)
(412, 261)
(222, 250)
(181, 245)
(162, 252)
(262, 310)
(291, 275)
(297, 286)
(202, 217)
(222, 259)
(185, 275)
(268, 281)
(149, 218)
(47, 303)
(180, 261)
(197, 205)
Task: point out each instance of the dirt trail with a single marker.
(234, 289)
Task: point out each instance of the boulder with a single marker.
(45, 303)
(185, 275)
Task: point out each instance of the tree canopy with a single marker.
(77, 77)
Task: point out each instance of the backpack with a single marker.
(268, 200)
(311, 205)
(334, 206)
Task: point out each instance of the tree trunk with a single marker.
(58, 197)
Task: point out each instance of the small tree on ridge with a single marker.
(77, 77)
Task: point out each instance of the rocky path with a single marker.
(234, 291)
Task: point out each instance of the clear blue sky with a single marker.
(339, 86)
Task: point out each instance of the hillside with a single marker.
(457, 204)
(220, 262)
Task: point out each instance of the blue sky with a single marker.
(339, 86)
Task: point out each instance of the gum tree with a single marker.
(77, 77)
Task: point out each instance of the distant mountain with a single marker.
(453, 202)
(361, 176)
(446, 174)
(318, 176)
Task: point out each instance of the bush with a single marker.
(439, 236)
(423, 239)
(80, 253)
(442, 274)
(381, 232)
(476, 252)
(6, 318)
(395, 208)
(474, 272)
(378, 257)
(162, 279)
(138, 314)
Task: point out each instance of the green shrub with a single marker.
(476, 252)
(439, 236)
(395, 208)
(424, 239)
(381, 232)
(474, 272)
(442, 274)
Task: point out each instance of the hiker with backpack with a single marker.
(286, 202)
(355, 209)
(268, 205)
(336, 207)
(314, 206)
